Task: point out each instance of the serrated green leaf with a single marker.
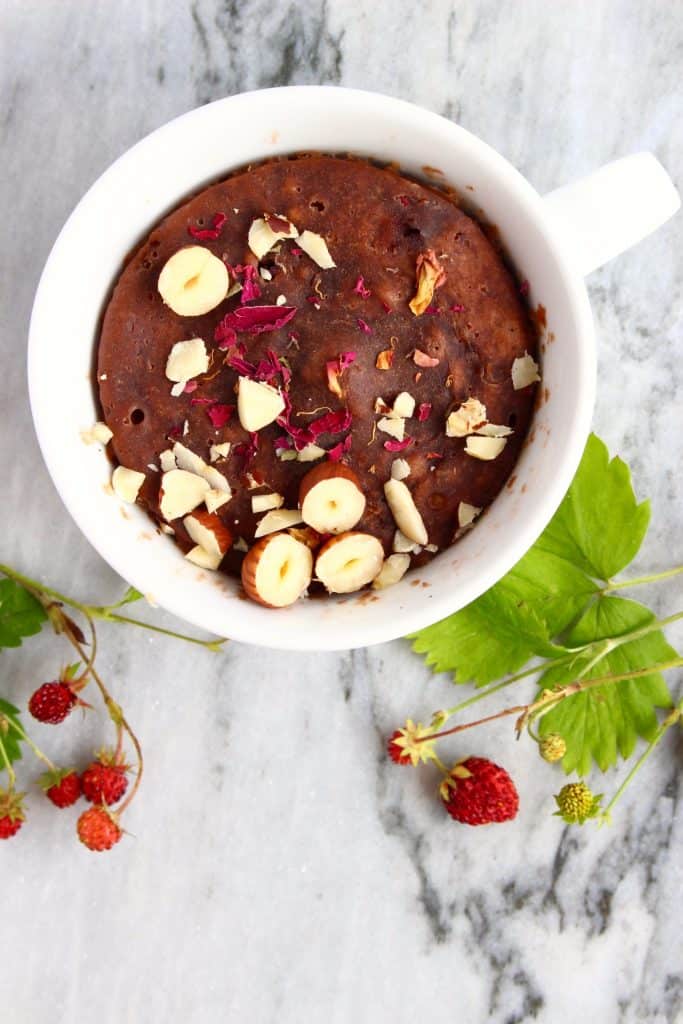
(491, 637)
(556, 589)
(11, 740)
(599, 526)
(604, 722)
(21, 615)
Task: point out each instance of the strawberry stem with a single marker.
(638, 580)
(11, 775)
(27, 739)
(671, 719)
(104, 612)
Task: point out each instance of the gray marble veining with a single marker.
(280, 868)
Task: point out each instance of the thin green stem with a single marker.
(493, 689)
(673, 717)
(638, 580)
(27, 739)
(4, 757)
(106, 616)
(105, 612)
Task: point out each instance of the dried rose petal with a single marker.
(421, 358)
(330, 423)
(191, 386)
(335, 454)
(296, 251)
(457, 307)
(208, 234)
(365, 328)
(219, 414)
(224, 335)
(255, 319)
(250, 288)
(404, 200)
(432, 310)
(241, 366)
(360, 288)
(385, 359)
(335, 368)
(398, 446)
(429, 275)
(424, 411)
(386, 307)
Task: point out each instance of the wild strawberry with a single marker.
(403, 747)
(552, 747)
(576, 803)
(478, 792)
(62, 786)
(98, 829)
(11, 813)
(52, 702)
(104, 780)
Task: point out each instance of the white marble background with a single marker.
(280, 869)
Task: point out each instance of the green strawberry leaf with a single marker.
(21, 615)
(11, 739)
(601, 723)
(491, 637)
(599, 526)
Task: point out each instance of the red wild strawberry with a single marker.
(98, 829)
(11, 813)
(62, 786)
(409, 745)
(52, 702)
(396, 752)
(478, 792)
(104, 780)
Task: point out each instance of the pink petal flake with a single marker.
(386, 307)
(398, 446)
(360, 288)
(296, 251)
(364, 327)
(208, 234)
(335, 368)
(199, 400)
(424, 411)
(219, 414)
(250, 288)
(255, 319)
(404, 200)
(457, 307)
(191, 386)
(339, 450)
(330, 423)
(421, 358)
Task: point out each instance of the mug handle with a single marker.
(600, 216)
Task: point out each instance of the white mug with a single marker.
(552, 241)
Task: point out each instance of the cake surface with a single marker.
(377, 225)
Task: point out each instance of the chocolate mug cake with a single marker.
(315, 374)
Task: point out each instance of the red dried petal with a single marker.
(224, 335)
(360, 288)
(457, 307)
(424, 411)
(365, 328)
(208, 234)
(296, 251)
(398, 446)
(432, 310)
(336, 453)
(250, 287)
(331, 423)
(191, 386)
(255, 319)
(241, 366)
(404, 200)
(219, 414)
(386, 307)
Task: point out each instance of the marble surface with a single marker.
(279, 867)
